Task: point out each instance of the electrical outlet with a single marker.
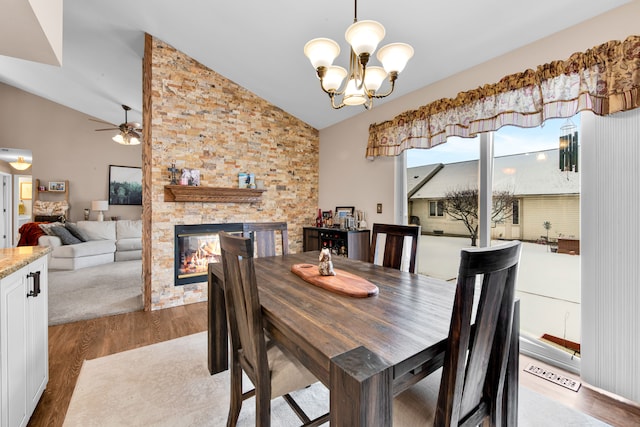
(379, 208)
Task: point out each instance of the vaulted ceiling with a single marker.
(258, 44)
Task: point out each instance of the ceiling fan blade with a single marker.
(107, 129)
(102, 121)
(133, 125)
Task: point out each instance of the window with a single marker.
(515, 217)
(436, 208)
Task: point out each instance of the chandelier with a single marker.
(363, 82)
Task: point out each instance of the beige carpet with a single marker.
(168, 384)
(92, 292)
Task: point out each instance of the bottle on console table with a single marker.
(319, 222)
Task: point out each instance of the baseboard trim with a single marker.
(533, 347)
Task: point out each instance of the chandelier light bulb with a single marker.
(364, 36)
(394, 56)
(321, 52)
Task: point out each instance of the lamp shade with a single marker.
(334, 77)
(373, 78)
(100, 205)
(321, 52)
(20, 164)
(394, 56)
(364, 36)
(353, 95)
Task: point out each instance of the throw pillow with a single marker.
(47, 227)
(73, 229)
(65, 235)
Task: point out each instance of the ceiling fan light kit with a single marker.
(362, 82)
(129, 131)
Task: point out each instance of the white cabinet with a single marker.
(24, 357)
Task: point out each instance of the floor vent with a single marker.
(548, 375)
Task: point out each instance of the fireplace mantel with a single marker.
(189, 193)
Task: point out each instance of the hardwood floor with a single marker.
(71, 343)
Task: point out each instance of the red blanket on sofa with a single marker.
(29, 234)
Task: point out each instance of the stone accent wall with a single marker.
(201, 120)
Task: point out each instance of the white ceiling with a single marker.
(258, 44)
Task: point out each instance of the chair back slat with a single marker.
(244, 311)
(476, 358)
(395, 246)
(263, 236)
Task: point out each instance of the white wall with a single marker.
(342, 147)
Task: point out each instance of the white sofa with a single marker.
(107, 241)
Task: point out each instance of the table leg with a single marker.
(217, 339)
(361, 386)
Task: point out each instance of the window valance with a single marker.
(604, 79)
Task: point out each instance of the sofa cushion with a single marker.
(46, 227)
(128, 255)
(65, 235)
(133, 244)
(73, 228)
(92, 247)
(126, 229)
(98, 230)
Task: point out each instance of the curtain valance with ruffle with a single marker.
(604, 80)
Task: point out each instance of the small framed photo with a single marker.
(190, 177)
(56, 186)
(345, 210)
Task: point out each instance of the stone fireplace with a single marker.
(195, 247)
(196, 118)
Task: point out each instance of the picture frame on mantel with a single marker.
(125, 185)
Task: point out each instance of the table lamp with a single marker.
(100, 206)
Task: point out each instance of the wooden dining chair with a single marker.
(263, 236)
(271, 371)
(395, 246)
(471, 385)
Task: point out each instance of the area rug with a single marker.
(168, 384)
(92, 292)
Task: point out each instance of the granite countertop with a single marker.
(13, 259)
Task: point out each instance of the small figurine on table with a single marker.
(326, 265)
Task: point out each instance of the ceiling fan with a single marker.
(130, 132)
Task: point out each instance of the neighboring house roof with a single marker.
(526, 174)
(416, 177)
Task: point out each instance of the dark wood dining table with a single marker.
(365, 350)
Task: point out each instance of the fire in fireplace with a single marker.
(196, 246)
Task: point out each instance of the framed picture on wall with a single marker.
(125, 185)
(26, 188)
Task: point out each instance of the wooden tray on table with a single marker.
(343, 282)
